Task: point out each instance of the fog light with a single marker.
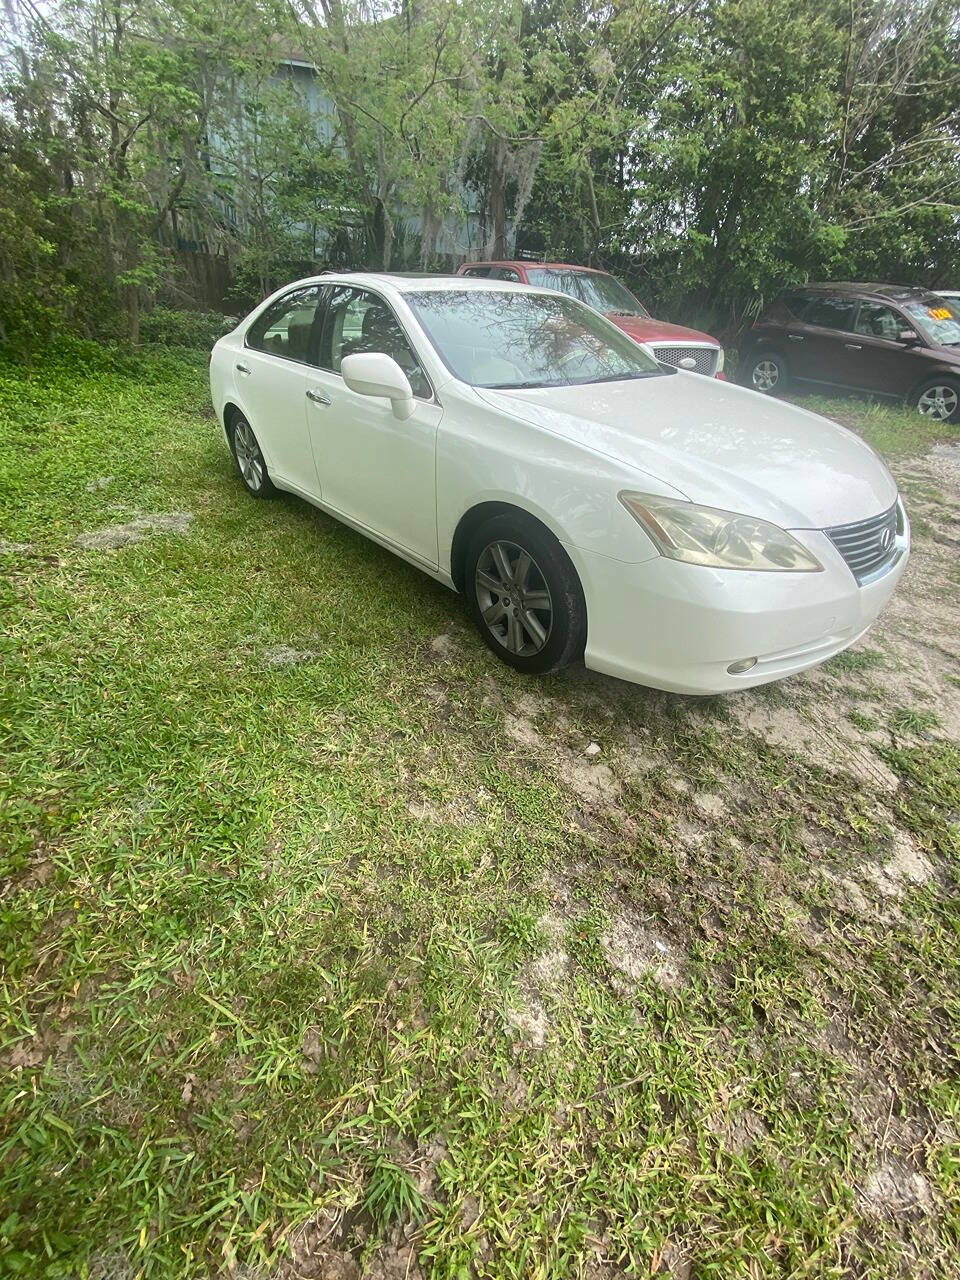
(738, 668)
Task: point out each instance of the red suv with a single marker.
(671, 343)
(882, 338)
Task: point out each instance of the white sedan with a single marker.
(586, 500)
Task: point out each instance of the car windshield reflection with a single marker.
(516, 341)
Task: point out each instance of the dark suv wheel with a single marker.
(524, 594)
(939, 398)
(766, 372)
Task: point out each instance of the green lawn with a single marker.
(332, 948)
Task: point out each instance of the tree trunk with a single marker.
(498, 199)
(133, 314)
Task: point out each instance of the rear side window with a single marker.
(828, 311)
(559, 281)
(506, 273)
(285, 328)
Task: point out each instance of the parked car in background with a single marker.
(674, 344)
(886, 339)
(585, 499)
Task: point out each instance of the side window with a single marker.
(477, 271)
(559, 281)
(358, 321)
(507, 273)
(284, 328)
(877, 321)
(829, 312)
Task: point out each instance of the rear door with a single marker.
(817, 341)
(879, 361)
(270, 376)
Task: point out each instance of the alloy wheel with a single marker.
(514, 598)
(939, 403)
(249, 457)
(766, 375)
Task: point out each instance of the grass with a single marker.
(318, 935)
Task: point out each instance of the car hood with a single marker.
(651, 330)
(717, 444)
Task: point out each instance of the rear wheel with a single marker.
(939, 399)
(524, 594)
(249, 458)
(767, 373)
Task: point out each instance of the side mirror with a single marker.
(374, 373)
(907, 337)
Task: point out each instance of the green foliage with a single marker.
(392, 1196)
(171, 328)
(709, 153)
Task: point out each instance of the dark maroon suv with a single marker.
(881, 338)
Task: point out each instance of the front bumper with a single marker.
(679, 627)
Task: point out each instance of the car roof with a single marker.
(890, 292)
(528, 265)
(414, 281)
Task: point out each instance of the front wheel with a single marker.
(939, 399)
(524, 594)
(767, 373)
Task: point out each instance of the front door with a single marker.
(374, 469)
(878, 360)
(271, 378)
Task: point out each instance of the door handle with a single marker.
(318, 397)
(243, 368)
(853, 346)
(795, 337)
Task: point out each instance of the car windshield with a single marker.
(491, 338)
(937, 319)
(597, 289)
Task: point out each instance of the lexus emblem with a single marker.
(885, 539)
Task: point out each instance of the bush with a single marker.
(168, 327)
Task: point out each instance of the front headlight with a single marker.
(719, 368)
(721, 539)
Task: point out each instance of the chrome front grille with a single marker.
(867, 545)
(704, 358)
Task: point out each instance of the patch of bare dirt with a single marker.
(579, 767)
(892, 1188)
(134, 531)
(637, 950)
(459, 811)
(817, 729)
(285, 655)
(906, 866)
(444, 648)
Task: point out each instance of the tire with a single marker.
(939, 399)
(249, 459)
(524, 594)
(766, 372)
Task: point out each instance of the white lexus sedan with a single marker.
(587, 501)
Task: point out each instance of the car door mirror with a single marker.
(907, 337)
(374, 373)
